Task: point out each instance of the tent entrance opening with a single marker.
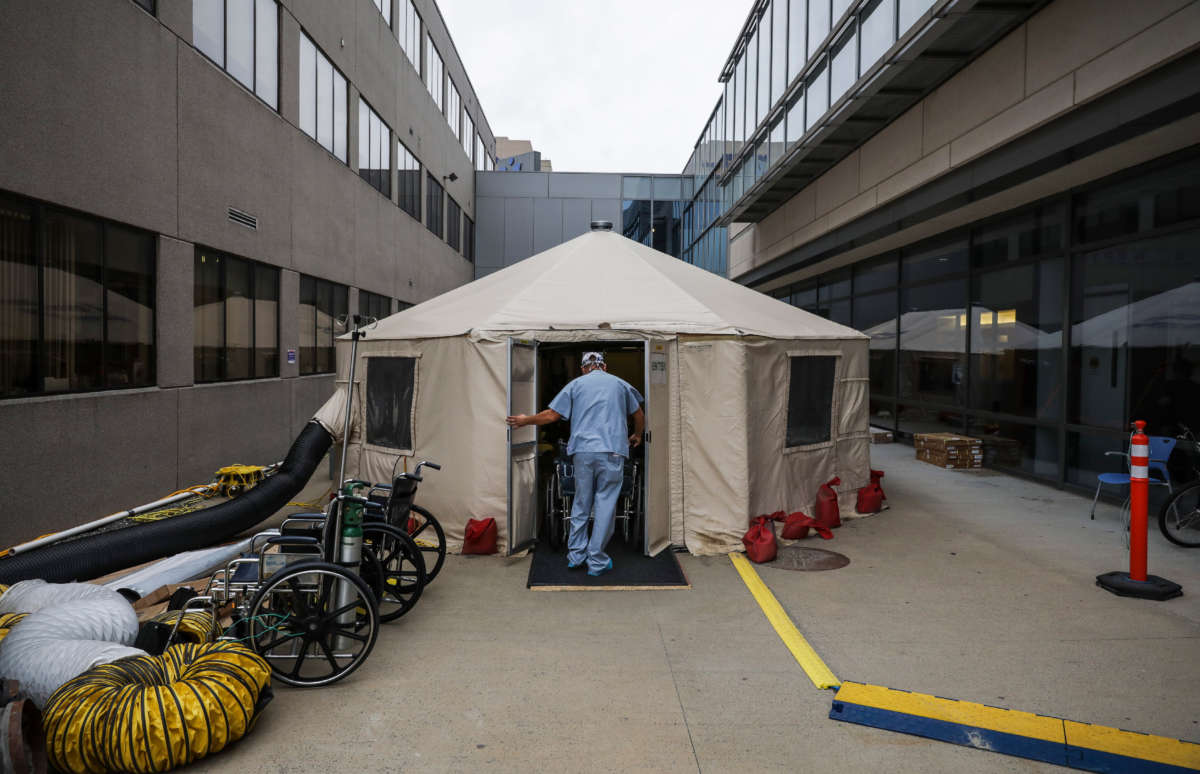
(558, 364)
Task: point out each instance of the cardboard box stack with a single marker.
(879, 435)
(949, 450)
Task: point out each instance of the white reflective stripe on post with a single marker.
(1139, 471)
(1139, 450)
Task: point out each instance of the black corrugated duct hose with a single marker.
(90, 557)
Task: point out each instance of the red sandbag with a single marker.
(759, 540)
(480, 537)
(826, 512)
(870, 498)
(876, 475)
(796, 526)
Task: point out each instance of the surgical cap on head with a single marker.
(593, 359)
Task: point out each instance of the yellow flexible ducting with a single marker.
(8, 621)
(154, 713)
(196, 626)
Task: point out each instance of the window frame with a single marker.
(384, 187)
(453, 224)
(432, 53)
(337, 73)
(412, 409)
(334, 286)
(834, 403)
(430, 186)
(402, 195)
(253, 267)
(224, 64)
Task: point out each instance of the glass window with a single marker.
(921, 418)
(764, 67)
(434, 73)
(933, 338)
(374, 149)
(779, 36)
(818, 24)
(816, 98)
(385, 8)
(636, 220)
(796, 37)
(1016, 340)
(666, 227)
(810, 400)
(1026, 448)
(322, 99)
(468, 135)
(1162, 198)
(760, 159)
(235, 317)
(876, 32)
(321, 317)
(468, 239)
(910, 11)
(241, 36)
(739, 101)
(453, 223)
(453, 108)
(636, 188)
(72, 298)
(835, 284)
(1133, 343)
(480, 153)
(433, 205)
(1036, 232)
(239, 40)
(875, 274)
(208, 29)
(373, 306)
(777, 143)
(842, 66)
(729, 117)
(875, 315)
(839, 8)
(19, 319)
(934, 260)
(1086, 457)
(667, 188)
(266, 51)
(795, 119)
(391, 383)
(408, 175)
(410, 35)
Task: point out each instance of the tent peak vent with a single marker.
(601, 225)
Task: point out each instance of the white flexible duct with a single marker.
(71, 627)
(178, 568)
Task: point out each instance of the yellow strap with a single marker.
(821, 675)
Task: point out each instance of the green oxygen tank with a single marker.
(350, 554)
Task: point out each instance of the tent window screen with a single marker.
(810, 399)
(390, 386)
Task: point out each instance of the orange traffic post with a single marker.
(1136, 583)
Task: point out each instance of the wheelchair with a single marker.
(560, 492)
(309, 596)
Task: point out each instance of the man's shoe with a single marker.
(601, 572)
(579, 566)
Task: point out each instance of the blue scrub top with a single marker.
(598, 405)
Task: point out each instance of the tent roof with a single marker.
(600, 280)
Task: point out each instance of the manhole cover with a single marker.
(799, 558)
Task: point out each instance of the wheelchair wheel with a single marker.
(553, 519)
(430, 538)
(297, 625)
(397, 571)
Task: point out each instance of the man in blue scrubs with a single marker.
(597, 405)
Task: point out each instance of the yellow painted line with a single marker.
(966, 713)
(817, 671)
(1160, 749)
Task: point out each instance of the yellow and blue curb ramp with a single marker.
(1023, 734)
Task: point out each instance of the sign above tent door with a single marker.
(522, 445)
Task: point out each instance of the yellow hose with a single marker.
(155, 713)
(8, 621)
(196, 626)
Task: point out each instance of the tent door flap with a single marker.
(522, 445)
(656, 506)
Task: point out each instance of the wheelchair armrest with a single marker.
(291, 540)
(268, 534)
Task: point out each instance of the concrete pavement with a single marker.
(974, 586)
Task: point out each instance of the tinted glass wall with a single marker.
(1044, 331)
(652, 212)
(235, 318)
(76, 301)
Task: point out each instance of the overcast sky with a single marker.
(597, 85)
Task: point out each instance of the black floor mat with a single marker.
(631, 570)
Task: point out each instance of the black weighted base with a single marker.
(1153, 587)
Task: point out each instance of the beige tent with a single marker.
(751, 404)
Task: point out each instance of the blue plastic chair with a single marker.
(1160, 451)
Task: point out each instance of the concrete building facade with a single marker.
(190, 194)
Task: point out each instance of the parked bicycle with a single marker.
(1179, 518)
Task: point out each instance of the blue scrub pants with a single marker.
(597, 484)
